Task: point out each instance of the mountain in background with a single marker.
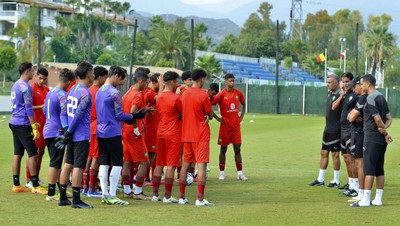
(217, 28)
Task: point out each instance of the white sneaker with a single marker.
(183, 201)
(29, 185)
(170, 200)
(221, 176)
(156, 199)
(204, 202)
(242, 177)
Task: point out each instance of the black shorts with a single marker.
(56, 156)
(111, 151)
(23, 140)
(345, 141)
(374, 158)
(77, 154)
(357, 143)
(331, 141)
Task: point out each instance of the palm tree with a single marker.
(74, 5)
(210, 64)
(104, 6)
(116, 9)
(379, 44)
(125, 7)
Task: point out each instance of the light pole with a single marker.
(342, 41)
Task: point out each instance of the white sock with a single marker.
(321, 175)
(222, 172)
(114, 179)
(336, 176)
(378, 196)
(103, 172)
(138, 190)
(240, 173)
(356, 184)
(366, 198)
(360, 193)
(351, 185)
(127, 189)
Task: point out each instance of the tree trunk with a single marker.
(4, 79)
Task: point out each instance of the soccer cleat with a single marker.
(81, 205)
(39, 190)
(183, 201)
(94, 194)
(69, 194)
(116, 201)
(170, 200)
(29, 185)
(128, 196)
(242, 177)
(204, 202)
(140, 196)
(104, 201)
(156, 199)
(20, 189)
(316, 183)
(359, 204)
(64, 202)
(355, 199)
(53, 198)
(345, 187)
(221, 176)
(333, 184)
(350, 193)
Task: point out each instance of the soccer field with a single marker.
(280, 157)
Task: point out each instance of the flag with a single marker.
(343, 55)
(321, 58)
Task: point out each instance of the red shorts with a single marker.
(40, 142)
(94, 152)
(228, 135)
(151, 140)
(198, 152)
(134, 148)
(168, 152)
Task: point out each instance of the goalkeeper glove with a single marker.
(63, 140)
(139, 114)
(35, 132)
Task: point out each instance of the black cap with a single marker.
(356, 80)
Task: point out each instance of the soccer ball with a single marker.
(189, 179)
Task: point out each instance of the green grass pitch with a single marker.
(280, 157)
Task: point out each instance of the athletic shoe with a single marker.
(357, 204)
(94, 194)
(81, 205)
(350, 193)
(156, 199)
(19, 189)
(53, 198)
(29, 185)
(183, 201)
(333, 184)
(105, 201)
(221, 176)
(170, 200)
(140, 196)
(242, 177)
(204, 202)
(355, 199)
(116, 201)
(39, 190)
(128, 196)
(64, 202)
(208, 169)
(345, 187)
(316, 183)
(376, 203)
(84, 191)
(69, 194)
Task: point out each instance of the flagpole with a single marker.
(326, 59)
(344, 64)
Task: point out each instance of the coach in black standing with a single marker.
(331, 136)
(377, 119)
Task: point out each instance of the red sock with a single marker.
(156, 184)
(168, 187)
(28, 175)
(85, 179)
(182, 187)
(139, 181)
(92, 180)
(239, 166)
(200, 190)
(221, 166)
(126, 180)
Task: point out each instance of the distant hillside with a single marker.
(217, 28)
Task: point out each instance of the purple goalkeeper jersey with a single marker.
(109, 112)
(54, 104)
(21, 99)
(79, 102)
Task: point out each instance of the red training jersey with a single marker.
(133, 97)
(229, 106)
(195, 106)
(169, 107)
(71, 85)
(93, 117)
(39, 95)
(151, 120)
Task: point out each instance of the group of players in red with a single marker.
(164, 128)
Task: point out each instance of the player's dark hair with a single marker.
(23, 67)
(348, 75)
(170, 75)
(82, 69)
(99, 71)
(66, 75)
(144, 69)
(369, 78)
(43, 71)
(198, 73)
(140, 75)
(116, 70)
(214, 87)
(186, 75)
(228, 76)
(154, 77)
